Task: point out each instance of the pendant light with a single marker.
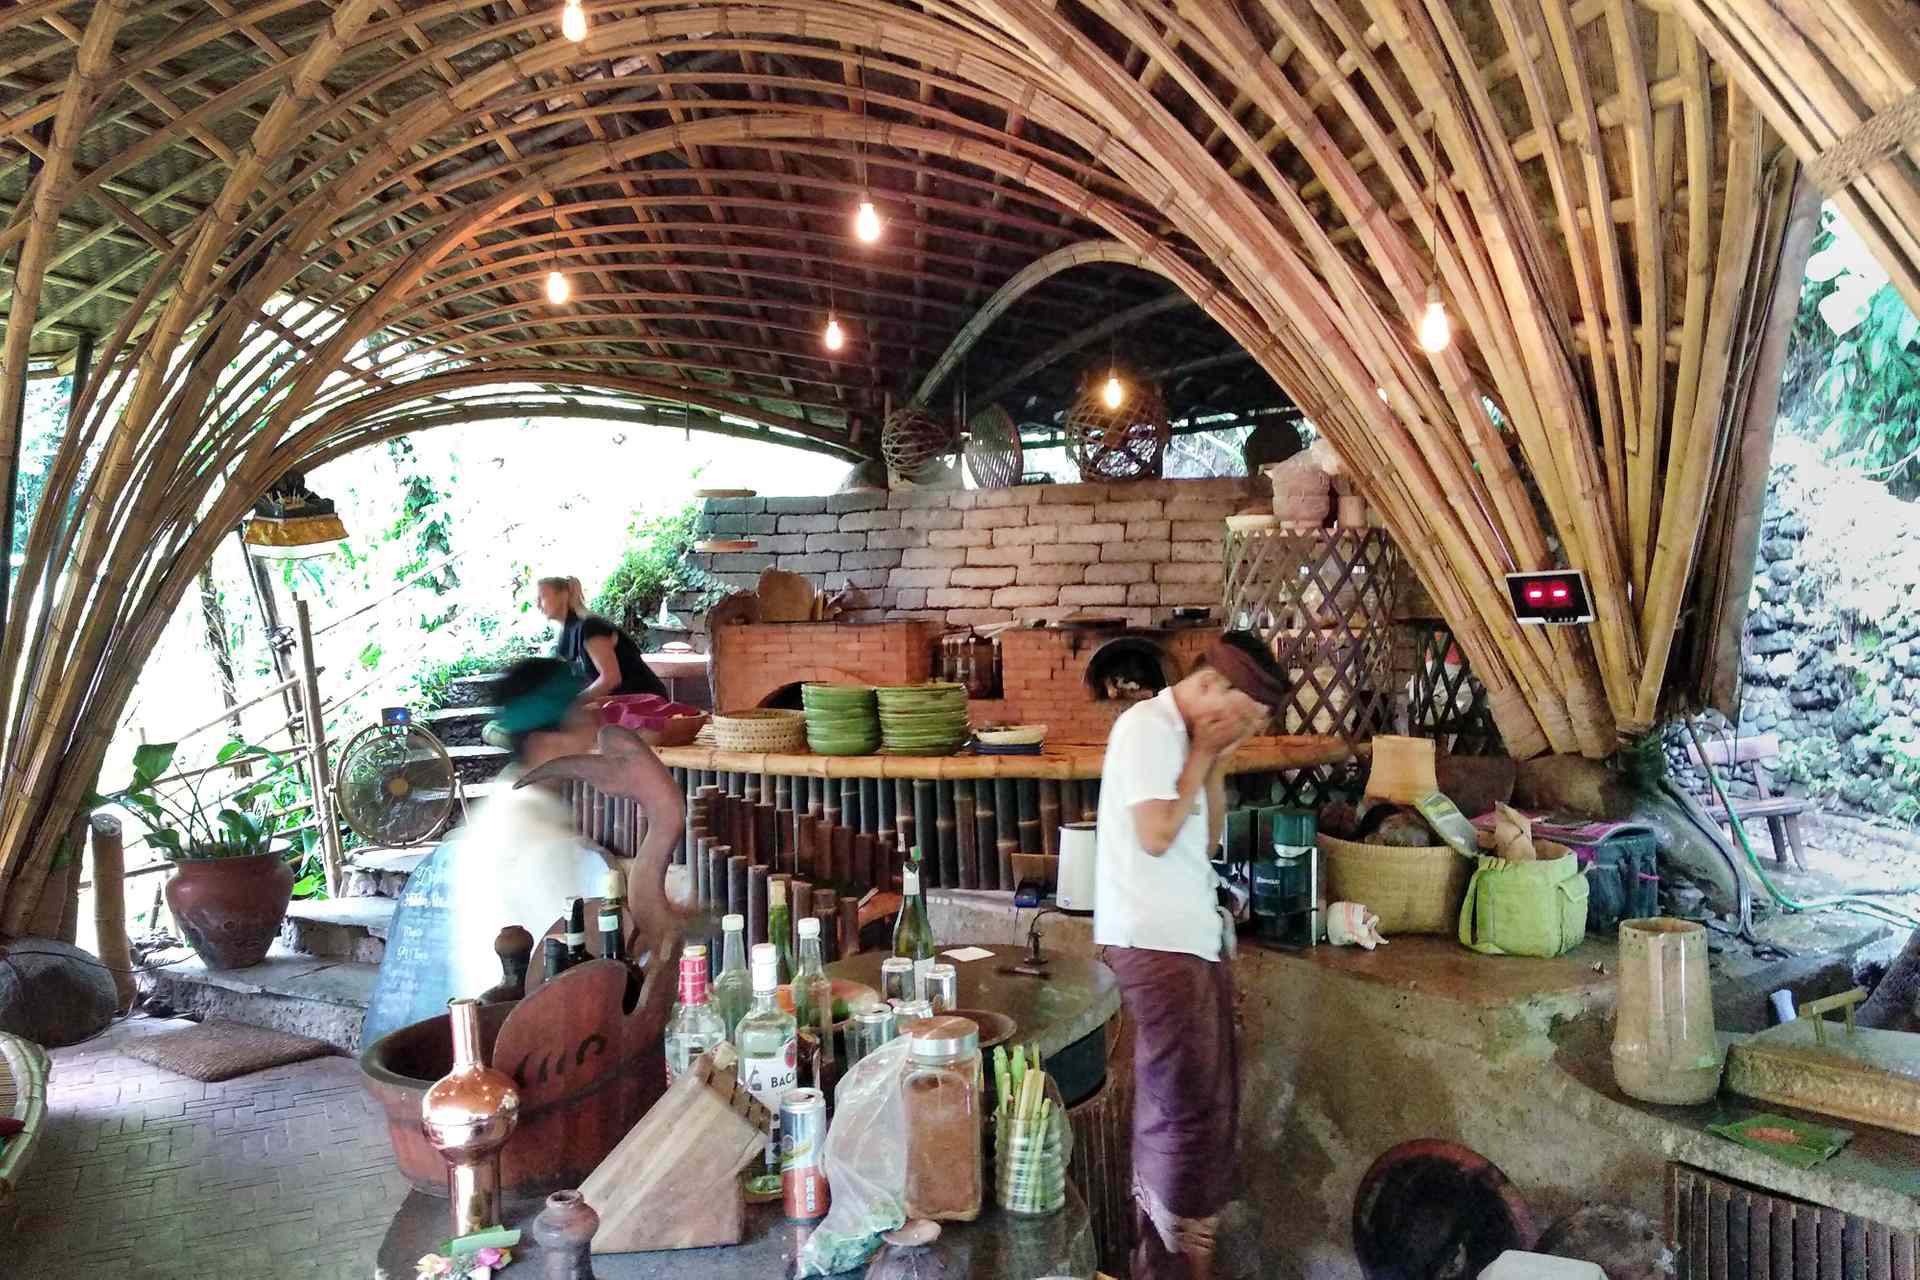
(1114, 394)
(292, 522)
(866, 219)
(834, 337)
(1436, 330)
(558, 287)
(573, 21)
(866, 222)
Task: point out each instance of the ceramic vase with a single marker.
(564, 1231)
(1664, 1048)
(468, 1115)
(230, 908)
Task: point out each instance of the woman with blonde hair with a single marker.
(599, 652)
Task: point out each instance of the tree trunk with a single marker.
(213, 617)
(1895, 1003)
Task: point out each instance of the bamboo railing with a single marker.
(347, 210)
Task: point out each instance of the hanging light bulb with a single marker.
(1436, 331)
(835, 337)
(1382, 393)
(558, 289)
(1115, 392)
(866, 222)
(573, 21)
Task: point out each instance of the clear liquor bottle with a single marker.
(733, 985)
(813, 990)
(695, 1026)
(769, 1055)
(912, 934)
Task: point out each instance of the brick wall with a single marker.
(1137, 550)
(753, 662)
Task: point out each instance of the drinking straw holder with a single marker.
(1031, 1148)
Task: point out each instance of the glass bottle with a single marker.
(613, 934)
(813, 993)
(946, 1174)
(577, 952)
(780, 929)
(733, 986)
(769, 1056)
(695, 1026)
(912, 935)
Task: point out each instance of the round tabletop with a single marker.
(999, 1246)
(1077, 997)
(676, 666)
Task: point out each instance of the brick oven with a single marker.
(1075, 681)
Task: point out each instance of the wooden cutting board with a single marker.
(1866, 1075)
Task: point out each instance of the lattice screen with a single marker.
(1324, 601)
(1445, 701)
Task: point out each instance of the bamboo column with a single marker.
(110, 905)
(317, 770)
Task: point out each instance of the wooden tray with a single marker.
(1866, 1075)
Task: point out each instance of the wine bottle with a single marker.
(577, 952)
(780, 929)
(613, 934)
(912, 935)
(813, 990)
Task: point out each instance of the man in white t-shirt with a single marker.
(1156, 916)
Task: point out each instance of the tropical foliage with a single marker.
(1854, 374)
(192, 826)
(654, 566)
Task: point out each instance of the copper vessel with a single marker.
(468, 1115)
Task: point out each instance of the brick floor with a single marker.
(146, 1175)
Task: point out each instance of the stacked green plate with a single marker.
(842, 719)
(923, 719)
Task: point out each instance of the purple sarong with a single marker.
(1186, 1074)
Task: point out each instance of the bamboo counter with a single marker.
(1064, 762)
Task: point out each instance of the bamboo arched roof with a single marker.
(272, 228)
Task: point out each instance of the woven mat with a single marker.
(222, 1050)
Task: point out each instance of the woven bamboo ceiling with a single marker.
(274, 230)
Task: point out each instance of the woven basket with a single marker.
(1411, 890)
(761, 729)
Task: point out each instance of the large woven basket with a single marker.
(761, 729)
(1411, 890)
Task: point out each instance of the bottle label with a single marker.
(909, 881)
(576, 939)
(768, 1079)
(609, 922)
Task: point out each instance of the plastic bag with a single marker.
(865, 1157)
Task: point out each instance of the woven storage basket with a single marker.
(1411, 890)
(761, 729)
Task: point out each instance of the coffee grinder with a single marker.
(1286, 885)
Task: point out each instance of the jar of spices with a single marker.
(945, 1170)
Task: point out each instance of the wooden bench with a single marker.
(23, 1096)
(1781, 813)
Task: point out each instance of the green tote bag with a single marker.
(1525, 908)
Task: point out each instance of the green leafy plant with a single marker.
(1858, 350)
(192, 828)
(655, 565)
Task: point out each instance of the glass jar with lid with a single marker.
(945, 1170)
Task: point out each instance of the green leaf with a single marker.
(164, 838)
(151, 760)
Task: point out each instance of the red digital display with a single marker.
(1554, 596)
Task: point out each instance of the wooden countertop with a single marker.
(1059, 762)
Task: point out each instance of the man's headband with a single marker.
(1245, 673)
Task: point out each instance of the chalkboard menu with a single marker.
(416, 978)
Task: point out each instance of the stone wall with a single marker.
(1831, 660)
(961, 556)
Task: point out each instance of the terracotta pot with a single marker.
(564, 1230)
(230, 908)
(1664, 1049)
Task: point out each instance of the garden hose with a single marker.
(1879, 911)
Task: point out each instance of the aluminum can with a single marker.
(943, 987)
(871, 1028)
(896, 978)
(803, 1131)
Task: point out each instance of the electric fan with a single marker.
(395, 784)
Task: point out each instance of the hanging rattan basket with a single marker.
(765, 729)
(1124, 443)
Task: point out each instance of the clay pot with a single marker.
(564, 1230)
(468, 1115)
(230, 908)
(1664, 1048)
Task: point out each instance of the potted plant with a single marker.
(229, 889)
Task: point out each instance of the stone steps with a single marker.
(339, 928)
(473, 691)
(457, 726)
(305, 995)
